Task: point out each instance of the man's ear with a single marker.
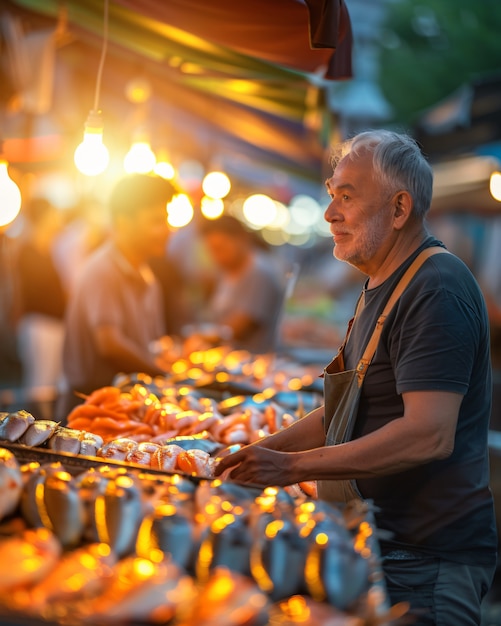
(403, 204)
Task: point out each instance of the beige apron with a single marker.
(342, 388)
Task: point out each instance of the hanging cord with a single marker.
(103, 56)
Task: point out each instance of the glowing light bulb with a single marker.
(495, 186)
(179, 211)
(92, 156)
(10, 196)
(216, 185)
(140, 159)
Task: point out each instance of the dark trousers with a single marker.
(440, 592)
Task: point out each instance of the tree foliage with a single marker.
(431, 47)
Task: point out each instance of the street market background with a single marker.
(259, 90)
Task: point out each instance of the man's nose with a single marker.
(331, 213)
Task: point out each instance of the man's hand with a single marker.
(258, 466)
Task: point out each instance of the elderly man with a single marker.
(417, 445)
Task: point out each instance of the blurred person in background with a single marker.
(248, 292)
(85, 229)
(173, 283)
(10, 366)
(40, 305)
(115, 309)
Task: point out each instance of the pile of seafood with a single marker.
(141, 415)
(155, 423)
(116, 545)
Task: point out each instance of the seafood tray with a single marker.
(108, 547)
(78, 463)
(169, 431)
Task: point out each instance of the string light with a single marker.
(495, 185)
(259, 210)
(140, 159)
(216, 185)
(10, 195)
(163, 167)
(92, 156)
(211, 208)
(179, 211)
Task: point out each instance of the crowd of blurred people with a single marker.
(41, 300)
(88, 300)
(213, 281)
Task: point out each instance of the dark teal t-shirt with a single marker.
(435, 338)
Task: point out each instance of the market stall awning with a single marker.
(236, 80)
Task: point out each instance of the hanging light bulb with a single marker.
(92, 156)
(10, 196)
(140, 159)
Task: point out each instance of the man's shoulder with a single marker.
(448, 271)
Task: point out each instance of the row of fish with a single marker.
(22, 427)
(189, 454)
(116, 544)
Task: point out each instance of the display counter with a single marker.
(135, 536)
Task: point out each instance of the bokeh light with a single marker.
(216, 185)
(495, 186)
(282, 217)
(165, 170)
(305, 210)
(211, 208)
(140, 159)
(10, 196)
(259, 210)
(179, 211)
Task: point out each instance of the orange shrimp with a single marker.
(103, 395)
(108, 425)
(91, 411)
(151, 414)
(80, 423)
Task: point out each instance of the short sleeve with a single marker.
(435, 345)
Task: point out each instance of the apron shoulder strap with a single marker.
(364, 362)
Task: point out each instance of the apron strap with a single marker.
(364, 362)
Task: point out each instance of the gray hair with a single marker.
(398, 164)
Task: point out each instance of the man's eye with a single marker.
(345, 197)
